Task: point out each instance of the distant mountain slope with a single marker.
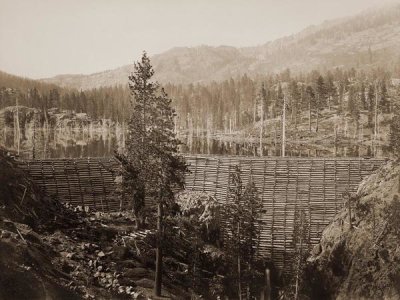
(371, 38)
(16, 82)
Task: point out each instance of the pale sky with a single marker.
(43, 38)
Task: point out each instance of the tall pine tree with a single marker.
(320, 98)
(242, 235)
(384, 103)
(151, 164)
(353, 107)
(371, 105)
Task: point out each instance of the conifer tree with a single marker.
(341, 92)
(300, 242)
(331, 90)
(371, 105)
(54, 98)
(135, 160)
(262, 99)
(394, 137)
(384, 104)
(294, 97)
(353, 107)
(279, 100)
(151, 164)
(363, 100)
(242, 233)
(310, 96)
(320, 99)
(251, 236)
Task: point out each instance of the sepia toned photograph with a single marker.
(214, 149)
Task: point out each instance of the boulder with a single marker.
(137, 273)
(145, 283)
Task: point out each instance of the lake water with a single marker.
(41, 144)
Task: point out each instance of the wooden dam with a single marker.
(313, 187)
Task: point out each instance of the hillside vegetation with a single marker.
(342, 87)
(337, 108)
(370, 39)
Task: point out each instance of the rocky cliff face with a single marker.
(359, 253)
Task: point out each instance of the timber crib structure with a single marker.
(296, 192)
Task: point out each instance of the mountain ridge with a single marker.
(369, 39)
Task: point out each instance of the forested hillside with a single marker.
(338, 107)
(339, 81)
(16, 82)
(368, 40)
(106, 102)
(232, 104)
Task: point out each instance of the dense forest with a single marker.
(350, 106)
(98, 103)
(233, 104)
(236, 104)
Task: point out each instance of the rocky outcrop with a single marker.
(359, 253)
(57, 118)
(27, 115)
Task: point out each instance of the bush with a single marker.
(204, 211)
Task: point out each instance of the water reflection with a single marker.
(68, 143)
(202, 145)
(42, 143)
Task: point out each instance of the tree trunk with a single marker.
(299, 260)
(239, 268)
(284, 127)
(261, 130)
(316, 126)
(309, 116)
(266, 292)
(138, 221)
(46, 119)
(254, 112)
(349, 204)
(18, 126)
(34, 140)
(291, 111)
(329, 103)
(158, 276)
(376, 119)
(336, 139)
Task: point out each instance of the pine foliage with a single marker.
(242, 234)
(394, 137)
(151, 165)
